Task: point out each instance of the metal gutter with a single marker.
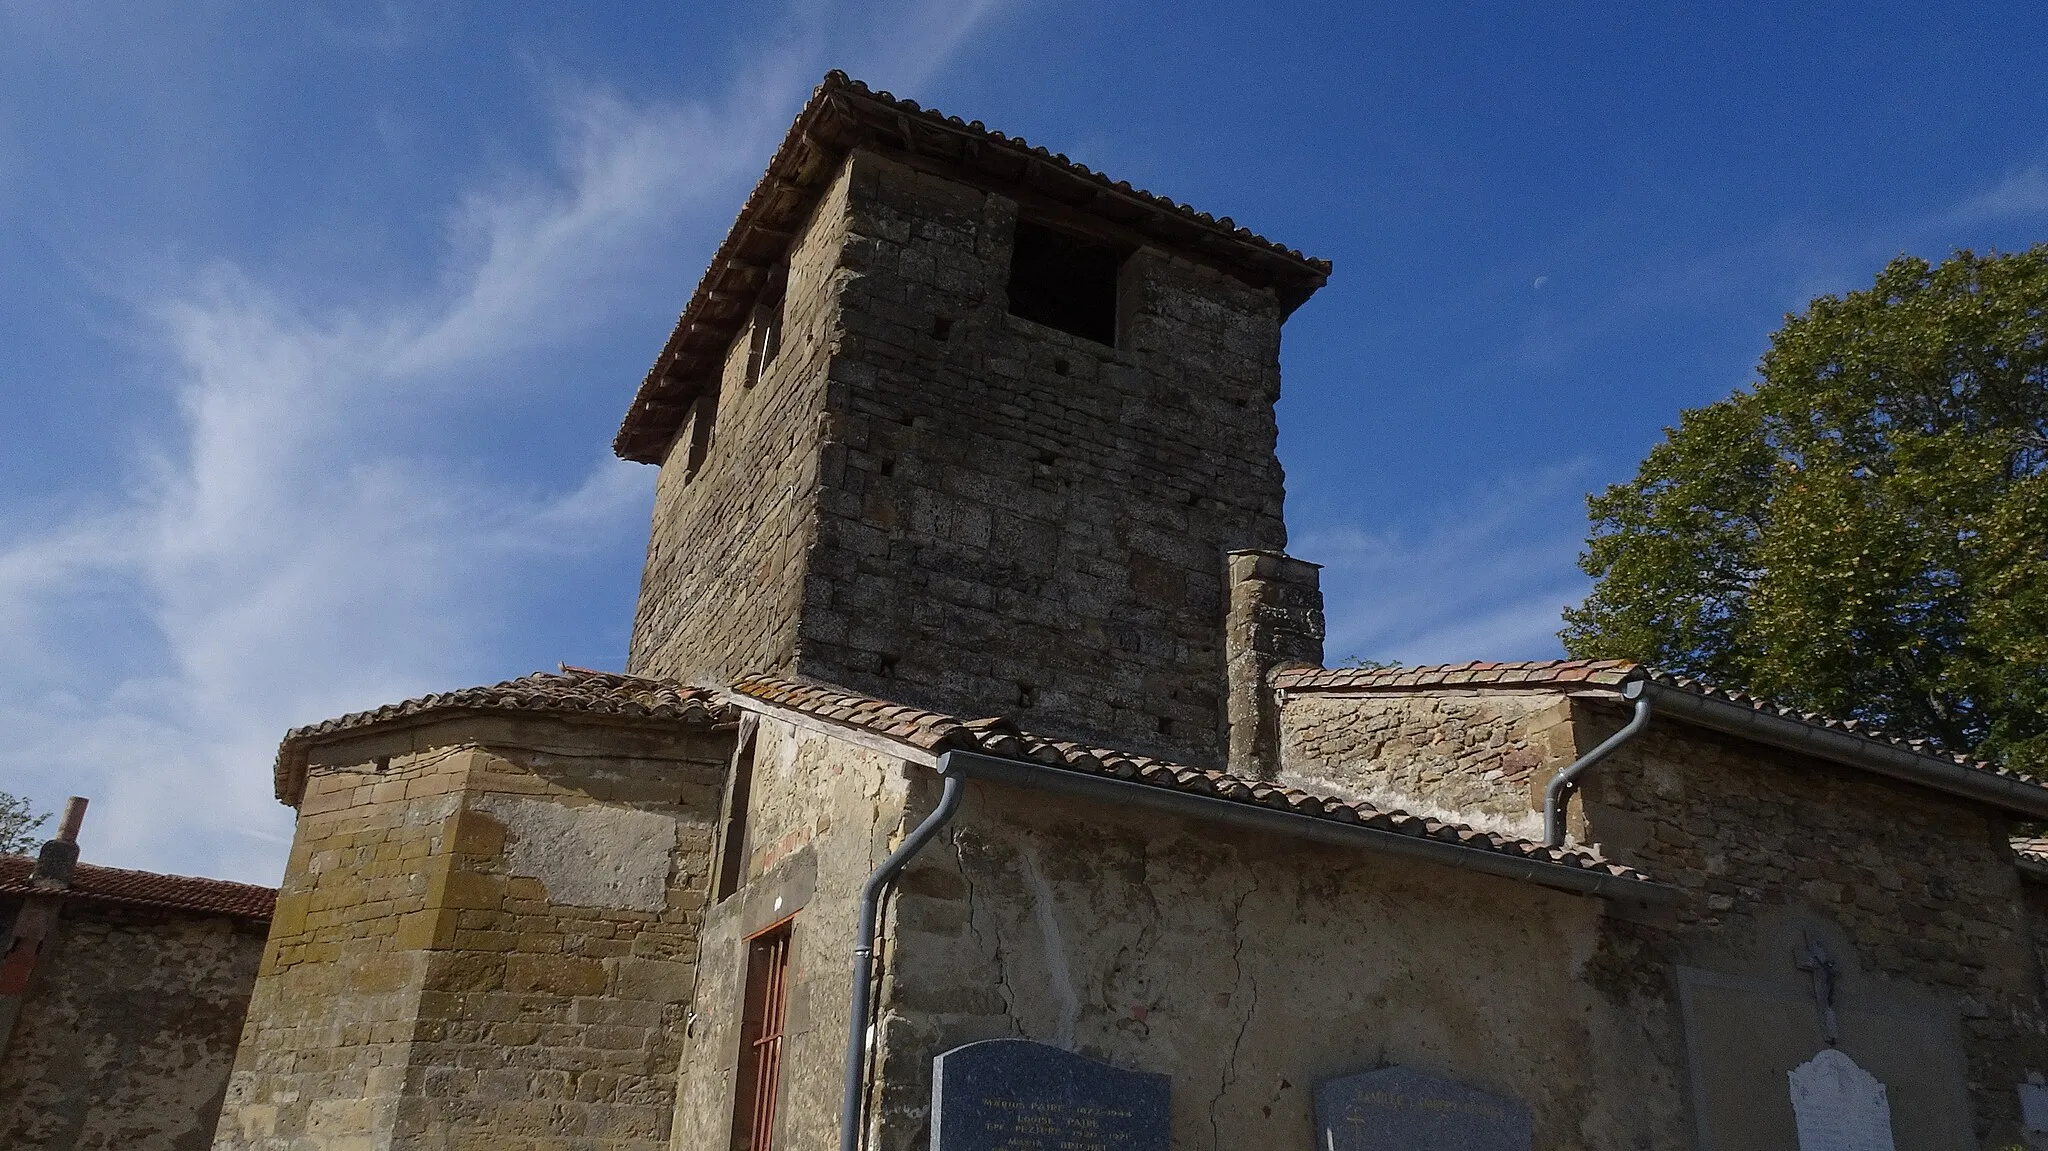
(854, 1088)
(1125, 795)
(1561, 784)
(2024, 798)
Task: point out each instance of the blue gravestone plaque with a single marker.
(1396, 1109)
(1016, 1095)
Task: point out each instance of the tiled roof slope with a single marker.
(1569, 673)
(843, 114)
(1531, 673)
(934, 732)
(147, 889)
(574, 690)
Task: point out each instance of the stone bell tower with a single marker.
(956, 422)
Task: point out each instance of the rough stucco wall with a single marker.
(1022, 521)
(824, 813)
(129, 1031)
(1248, 968)
(1920, 886)
(722, 590)
(425, 985)
(1479, 758)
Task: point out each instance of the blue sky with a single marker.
(319, 318)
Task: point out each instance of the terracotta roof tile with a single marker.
(842, 114)
(996, 736)
(1856, 727)
(1535, 673)
(1567, 673)
(573, 690)
(147, 889)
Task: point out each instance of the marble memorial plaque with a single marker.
(1399, 1109)
(1016, 1095)
(1839, 1106)
(2034, 1107)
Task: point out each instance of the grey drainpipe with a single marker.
(1563, 782)
(850, 1125)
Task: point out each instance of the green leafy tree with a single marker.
(1864, 531)
(18, 824)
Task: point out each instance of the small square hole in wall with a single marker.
(941, 327)
(1064, 282)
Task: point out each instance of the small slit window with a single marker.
(764, 338)
(760, 1070)
(1064, 282)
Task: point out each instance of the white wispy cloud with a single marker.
(2019, 195)
(1487, 578)
(296, 542)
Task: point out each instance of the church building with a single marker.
(975, 782)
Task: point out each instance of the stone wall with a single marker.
(1275, 620)
(823, 814)
(1248, 967)
(127, 1036)
(1472, 757)
(1029, 522)
(1010, 518)
(485, 938)
(722, 592)
(1914, 892)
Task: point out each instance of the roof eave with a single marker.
(288, 774)
(843, 114)
(1948, 776)
(1125, 794)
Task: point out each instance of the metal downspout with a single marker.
(1562, 783)
(850, 1125)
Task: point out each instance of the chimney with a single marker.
(59, 857)
(37, 919)
(1276, 619)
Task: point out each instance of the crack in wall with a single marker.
(1055, 950)
(1251, 1001)
(995, 948)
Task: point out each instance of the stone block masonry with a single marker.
(1916, 891)
(1463, 756)
(127, 1038)
(485, 939)
(981, 513)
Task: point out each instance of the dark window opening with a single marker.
(1064, 282)
(764, 339)
(732, 837)
(697, 433)
(761, 1018)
